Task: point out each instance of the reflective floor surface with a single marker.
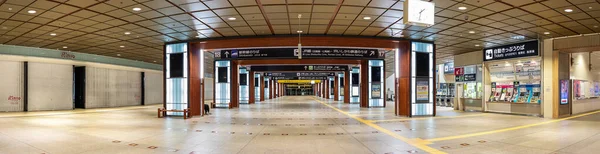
(293, 124)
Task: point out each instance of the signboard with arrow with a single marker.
(292, 53)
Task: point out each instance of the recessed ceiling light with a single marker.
(127, 33)
(231, 18)
(546, 33)
(518, 37)
(122, 46)
(31, 11)
(119, 55)
(568, 10)
(476, 45)
(367, 18)
(155, 61)
(52, 34)
(590, 7)
(299, 31)
(462, 8)
(64, 47)
(471, 32)
(10, 9)
(595, 26)
(137, 9)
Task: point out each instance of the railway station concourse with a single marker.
(299, 76)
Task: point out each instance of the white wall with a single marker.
(112, 88)
(153, 88)
(11, 86)
(50, 86)
(389, 84)
(208, 89)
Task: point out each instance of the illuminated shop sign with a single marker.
(524, 49)
(292, 53)
(448, 68)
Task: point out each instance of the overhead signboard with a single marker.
(300, 68)
(299, 77)
(301, 74)
(524, 49)
(292, 53)
(418, 12)
(448, 68)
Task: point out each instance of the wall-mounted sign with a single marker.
(524, 49)
(469, 77)
(67, 55)
(564, 92)
(422, 89)
(448, 68)
(292, 53)
(375, 91)
(300, 68)
(459, 71)
(418, 12)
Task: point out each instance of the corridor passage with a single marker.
(293, 124)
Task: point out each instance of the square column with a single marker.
(251, 88)
(336, 88)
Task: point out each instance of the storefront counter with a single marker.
(585, 105)
(515, 108)
(470, 104)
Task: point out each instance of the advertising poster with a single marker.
(375, 91)
(422, 91)
(564, 91)
(577, 88)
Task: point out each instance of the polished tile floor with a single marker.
(293, 124)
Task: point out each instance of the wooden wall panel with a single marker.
(364, 84)
(196, 103)
(251, 88)
(347, 86)
(262, 88)
(235, 85)
(403, 91)
(336, 88)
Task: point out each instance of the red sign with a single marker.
(459, 71)
(14, 99)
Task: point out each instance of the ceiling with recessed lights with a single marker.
(137, 29)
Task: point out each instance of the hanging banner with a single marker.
(292, 53)
(524, 49)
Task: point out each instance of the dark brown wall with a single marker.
(235, 85)
(336, 88)
(262, 88)
(347, 86)
(195, 88)
(251, 88)
(403, 91)
(364, 84)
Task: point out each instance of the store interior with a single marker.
(585, 81)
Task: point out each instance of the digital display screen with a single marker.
(176, 65)
(243, 79)
(256, 82)
(422, 64)
(222, 74)
(355, 79)
(376, 74)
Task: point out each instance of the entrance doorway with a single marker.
(79, 87)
